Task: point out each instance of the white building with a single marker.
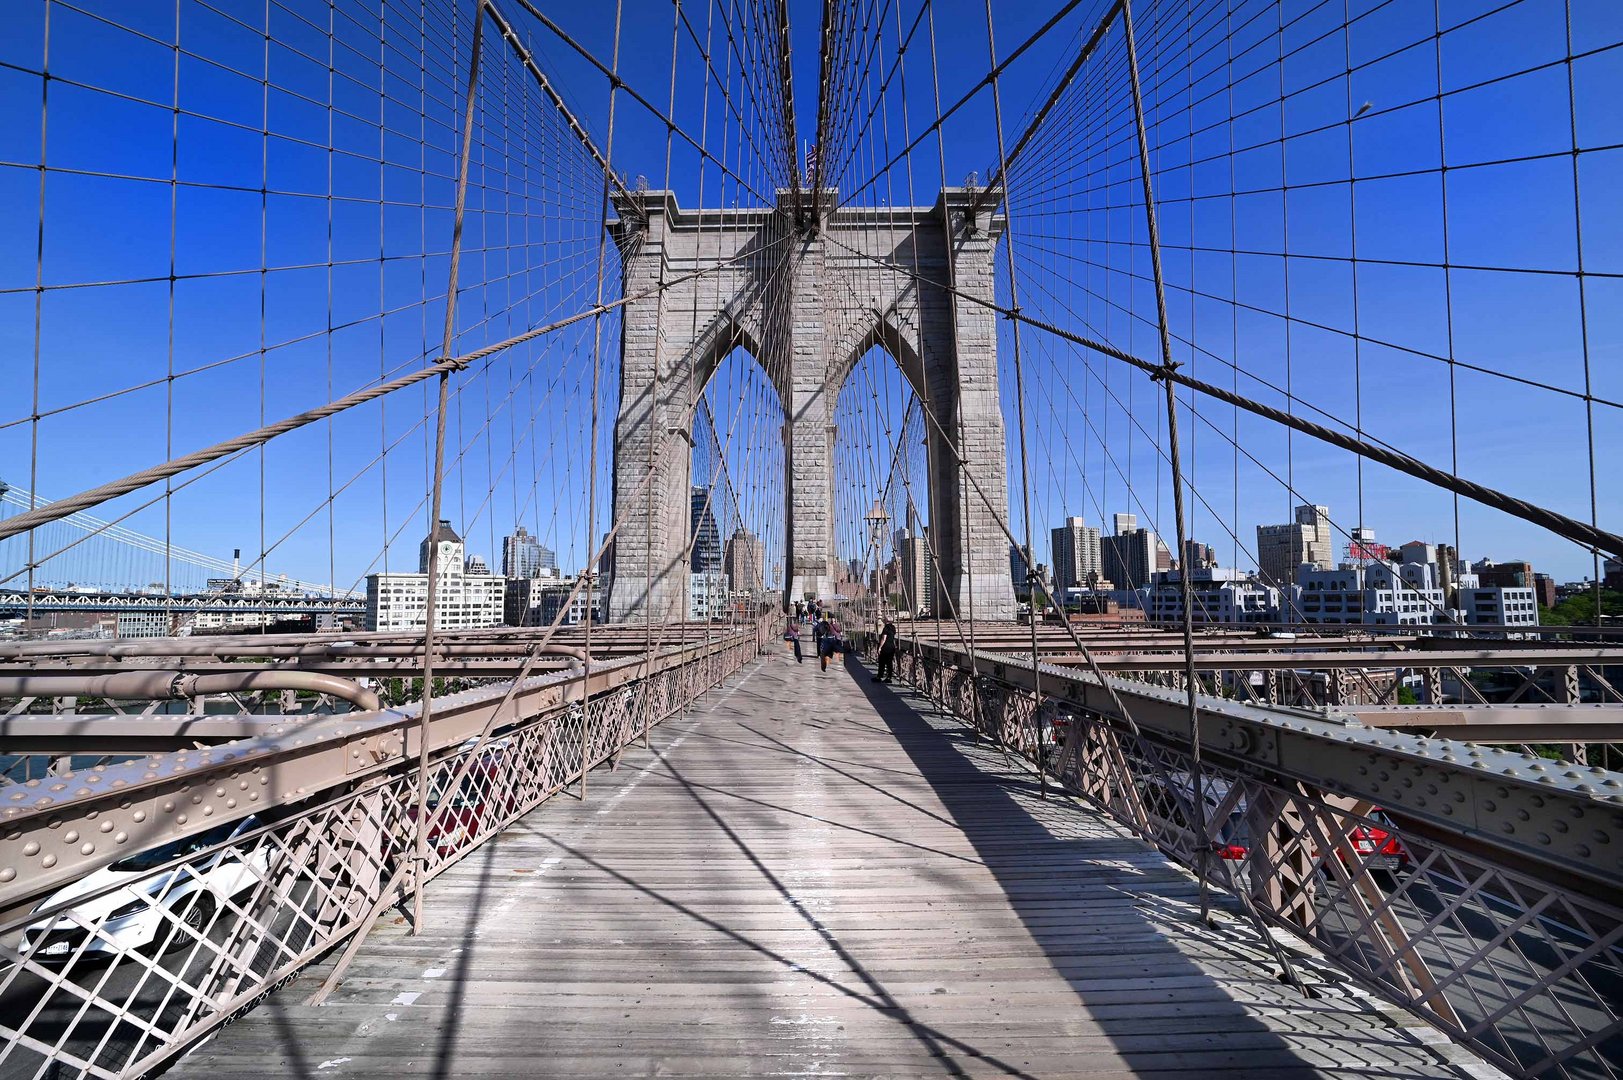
(143, 624)
(1378, 594)
(707, 595)
(205, 621)
(1220, 595)
(462, 601)
(1497, 605)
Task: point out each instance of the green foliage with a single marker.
(1580, 610)
(1407, 696)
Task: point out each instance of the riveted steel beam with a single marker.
(1540, 811)
(57, 829)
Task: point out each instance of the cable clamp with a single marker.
(1165, 371)
(454, 363)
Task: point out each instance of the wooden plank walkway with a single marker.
(809, 876)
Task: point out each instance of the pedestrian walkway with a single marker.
(810, 874)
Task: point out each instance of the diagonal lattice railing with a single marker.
(1424, 883)
(136, 959)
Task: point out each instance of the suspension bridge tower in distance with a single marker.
(808, 290)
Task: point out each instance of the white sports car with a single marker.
(145, 910)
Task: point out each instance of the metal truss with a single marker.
(279, 847)
(1475, 886)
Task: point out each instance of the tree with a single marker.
(1579, 610)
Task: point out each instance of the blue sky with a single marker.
(359, 168)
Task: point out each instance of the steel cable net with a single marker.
(253, 240)
(1386, 222)
(250, 214)
(1389, 265)
(242, 227)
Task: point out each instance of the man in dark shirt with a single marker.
(887, 653)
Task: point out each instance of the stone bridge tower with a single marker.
(808, 304)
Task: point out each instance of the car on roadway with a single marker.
(1169, 799)
(143, 913)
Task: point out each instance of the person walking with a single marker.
(793, 634)
(887, 653)
(819, 629)
(831, 642)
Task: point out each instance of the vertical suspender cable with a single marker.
(1019, 401)
(597, 380)
(1202, 840)
(426, 715)
(1186, 587)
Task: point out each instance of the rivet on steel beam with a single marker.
(139, 816)
(31, 848)
(120, 837)
(71, 836)
(48, 862)
(180, 819)
(88, 849)
(7, 874)
(107, 826)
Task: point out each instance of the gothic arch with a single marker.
(807, 308)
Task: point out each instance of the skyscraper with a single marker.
(523, 556)
(1129, 559)
(706, 537)
(745, 561)
(1019, 571)
(1076, 554)
(915, 572)
(1282, 550)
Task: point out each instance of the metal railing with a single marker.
(1474, 886)
(149, 905)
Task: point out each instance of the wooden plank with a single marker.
(811, 875)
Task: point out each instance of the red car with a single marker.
(470, 810)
